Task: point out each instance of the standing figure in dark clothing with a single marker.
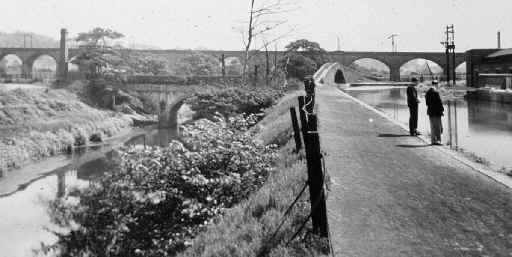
(412, 102)
(435, 110)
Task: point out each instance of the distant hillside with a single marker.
(17, 39)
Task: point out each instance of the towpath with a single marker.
(394, 195)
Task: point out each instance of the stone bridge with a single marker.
(168, 99)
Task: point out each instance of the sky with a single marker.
(362, 25)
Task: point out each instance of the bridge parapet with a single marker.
(176, 80)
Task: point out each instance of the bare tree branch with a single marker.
(263, 18)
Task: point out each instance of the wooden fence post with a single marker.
(316, 181)
(314, 160)
(256, 74)
(296, 130)
(223, 65)
(303, 119)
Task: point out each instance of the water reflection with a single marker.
(156, 137)
(24, 215)
(484, 128)
(490, 114)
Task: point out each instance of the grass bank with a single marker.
(40, 122)
(218, 191)
(247, 228)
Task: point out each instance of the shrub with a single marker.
(232, 101)
(96, 137)
(247, 229)
(298, 66)
(158, 199)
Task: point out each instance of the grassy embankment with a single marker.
(38, 123)
(246, 229)
(219, 191)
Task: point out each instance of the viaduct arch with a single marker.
(28, 58)
(394, 60)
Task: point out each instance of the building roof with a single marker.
(500, 53)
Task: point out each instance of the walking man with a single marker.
(435, 110)
(412, 102)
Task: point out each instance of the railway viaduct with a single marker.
(393, 60)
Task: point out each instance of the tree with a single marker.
(262, 19)
(147, 64)
(302, 58)
(198, 64)
(98, 36)
(96, 56)
(3, 67)
(298, 66)
(309, 49)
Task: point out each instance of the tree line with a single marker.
(100, 56)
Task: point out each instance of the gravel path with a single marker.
(392, 195)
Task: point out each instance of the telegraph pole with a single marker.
(449, 45)
(338, 43)
(394, 47)
(452, 46)
(499, 39)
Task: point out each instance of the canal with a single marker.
(483, 128)
(24, 215)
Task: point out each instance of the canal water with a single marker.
(483, 128)
(24, 217)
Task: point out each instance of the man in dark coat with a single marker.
(412, 102)
(435, 111)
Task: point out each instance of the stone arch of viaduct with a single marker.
(395, 61)
(29, 56)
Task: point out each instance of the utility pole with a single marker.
(338, 43)
(394, 47)
(449, 45)
(24, 40)
(499, 39)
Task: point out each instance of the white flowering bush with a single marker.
(158, 199)
(232, 101)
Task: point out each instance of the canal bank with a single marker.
(25, 196)
(19, 179)
(37, 123)
(395, 195)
